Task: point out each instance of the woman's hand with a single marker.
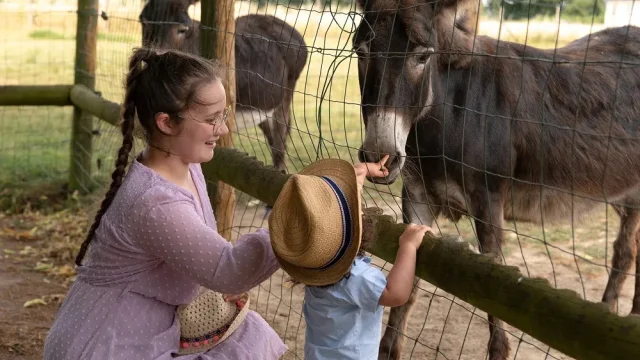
(371, 169)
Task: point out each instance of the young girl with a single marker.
(315, 228)
(154, 242)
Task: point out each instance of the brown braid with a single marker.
(122, 161)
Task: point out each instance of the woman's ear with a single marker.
(164, 124)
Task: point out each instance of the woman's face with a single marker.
(201, 125)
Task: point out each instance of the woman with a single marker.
(154, 242)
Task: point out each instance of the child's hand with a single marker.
(413, 234)
(372, 169)
(401, 275)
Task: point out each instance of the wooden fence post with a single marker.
(217, 42)
(85, 66)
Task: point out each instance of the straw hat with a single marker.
(315, 224)
(208, 320)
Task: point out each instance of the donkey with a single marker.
(270, 56)
(499, 136)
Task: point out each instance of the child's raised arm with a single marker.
(400, 278)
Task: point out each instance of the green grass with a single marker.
(53, 35)
(47, 35)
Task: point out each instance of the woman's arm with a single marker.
(174, 232)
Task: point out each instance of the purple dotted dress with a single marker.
(154, 246)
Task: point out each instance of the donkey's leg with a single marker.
(635, 309)
(489, 224)
(624, 249)
(415, 209)
(281, 129)
(276, 130)
(267, 128)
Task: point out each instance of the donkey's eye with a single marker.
(423, 55)
(183, 30)
(362, 50)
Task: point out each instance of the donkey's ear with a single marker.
(457, 25)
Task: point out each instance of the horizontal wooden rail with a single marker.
(557, 317)
(89, 101)
(35, 95)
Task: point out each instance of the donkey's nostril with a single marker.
(393, 161)
(369, 156)
(361, 155)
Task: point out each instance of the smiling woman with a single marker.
(154, 241)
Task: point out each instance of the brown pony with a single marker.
(499, 131)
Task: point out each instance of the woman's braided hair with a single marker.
(156, 82)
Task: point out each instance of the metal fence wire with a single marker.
(501, 119)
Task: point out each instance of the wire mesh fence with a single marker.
(326, 121)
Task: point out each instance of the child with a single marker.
(315, 228)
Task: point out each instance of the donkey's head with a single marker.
(166, 24)
(401, 47)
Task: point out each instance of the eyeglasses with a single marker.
(216, 120)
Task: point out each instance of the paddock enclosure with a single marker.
(62, 67)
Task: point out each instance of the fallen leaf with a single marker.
(43, 267)
(34, 302)
(27, 250)
(57, 298)
(64, 270)
(8, 251)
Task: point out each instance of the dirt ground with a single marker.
(23, 329)
(36, 258)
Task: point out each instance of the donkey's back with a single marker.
(270, 56)
(574, 118)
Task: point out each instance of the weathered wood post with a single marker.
(85, 66)
(217, 42)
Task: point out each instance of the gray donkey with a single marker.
(479, 128)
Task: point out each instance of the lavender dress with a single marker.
(153, 247)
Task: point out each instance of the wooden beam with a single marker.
(557, 317)
(87, 100)
(217, 42)
(85, 67)
(35, 95)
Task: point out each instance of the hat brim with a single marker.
(237, 321)
(344, 175)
